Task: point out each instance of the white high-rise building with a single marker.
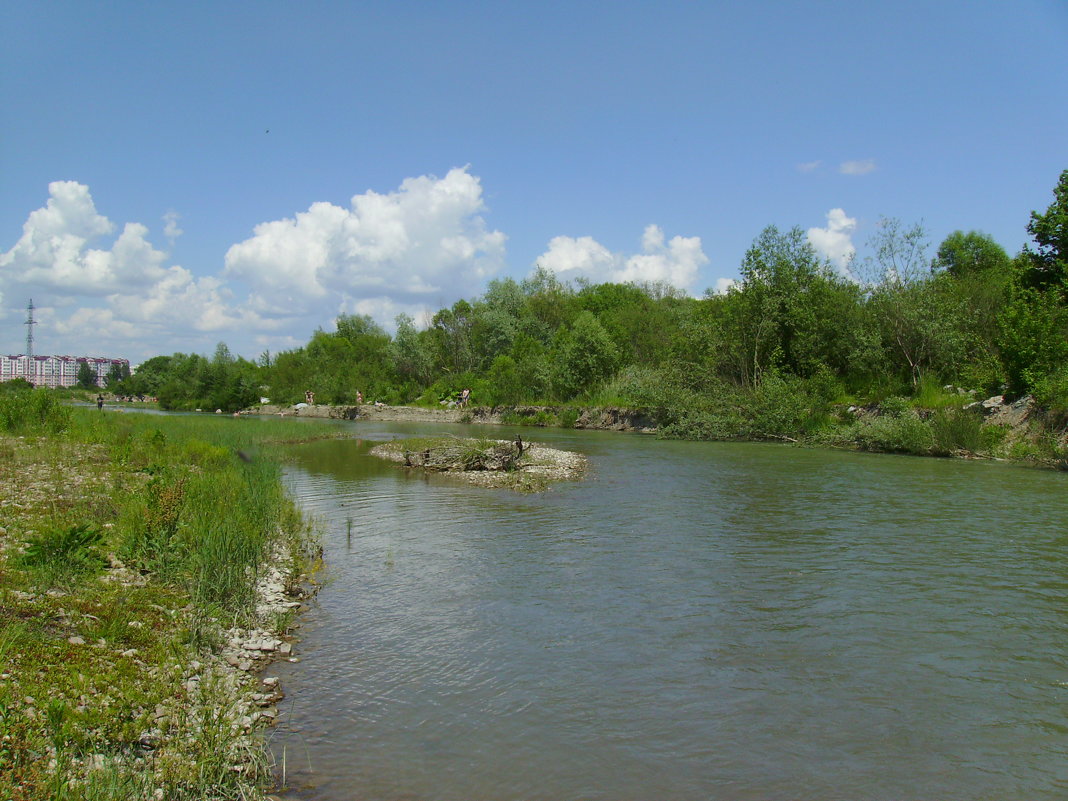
(55, 371)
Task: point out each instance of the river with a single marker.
(692, 621)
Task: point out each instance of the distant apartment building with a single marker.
(55, 371)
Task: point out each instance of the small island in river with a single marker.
(508, 464)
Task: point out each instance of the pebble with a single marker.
(76, 640)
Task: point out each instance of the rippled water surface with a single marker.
(693, 621)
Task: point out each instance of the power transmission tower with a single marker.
(30, 323)
(29, 372)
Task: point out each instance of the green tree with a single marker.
(150, 375)
(117, 374)
(1049, 262)
(411, 352)
(86, 376)
(451, 338)
(790, 312)
(583, 357)
(965, 255)
(982, 275)
(1032, 338)
(920, 318)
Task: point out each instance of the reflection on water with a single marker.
(693, 621)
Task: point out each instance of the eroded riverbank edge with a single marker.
(600, 419)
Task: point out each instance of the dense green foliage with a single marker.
(770, 357)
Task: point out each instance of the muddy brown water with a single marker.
(692, 621)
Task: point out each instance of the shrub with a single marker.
(567, 417)
(33, 411)
(897, 430)
(1051, 394)
(956, 430)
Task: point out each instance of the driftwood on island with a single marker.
(467, 455)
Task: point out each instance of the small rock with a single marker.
(76, 640)
(285, 649)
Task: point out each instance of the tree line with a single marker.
(794, 335)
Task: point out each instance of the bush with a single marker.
(898, 429)
(956, 430)
(567, 417)
(37, 411)
(705, 425)
(778, 407)
(896, 407)
(1051, 393)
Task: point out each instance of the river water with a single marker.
(692, 621)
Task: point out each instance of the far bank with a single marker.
(995, 428)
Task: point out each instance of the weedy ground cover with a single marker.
(128, 544)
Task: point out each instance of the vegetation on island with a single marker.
(785, 353)
(131, 548)
(510, 464)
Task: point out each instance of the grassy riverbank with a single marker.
(131, 549)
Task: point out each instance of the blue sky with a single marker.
(179, 174)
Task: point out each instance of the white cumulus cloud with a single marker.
(170, 226)
(112, 298)
(675, 262)
(857, 167)
(105, 289)
(425, 242)
(835, 241)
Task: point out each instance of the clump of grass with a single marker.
(930, 394)
(956, 430)
(541, 418)
(59, 554)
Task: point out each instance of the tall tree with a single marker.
(584, 356)
(1049, 262)
(86, 376)
(920, 318)
(964, 255)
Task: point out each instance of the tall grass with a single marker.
(32, 411)
(209, 507)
